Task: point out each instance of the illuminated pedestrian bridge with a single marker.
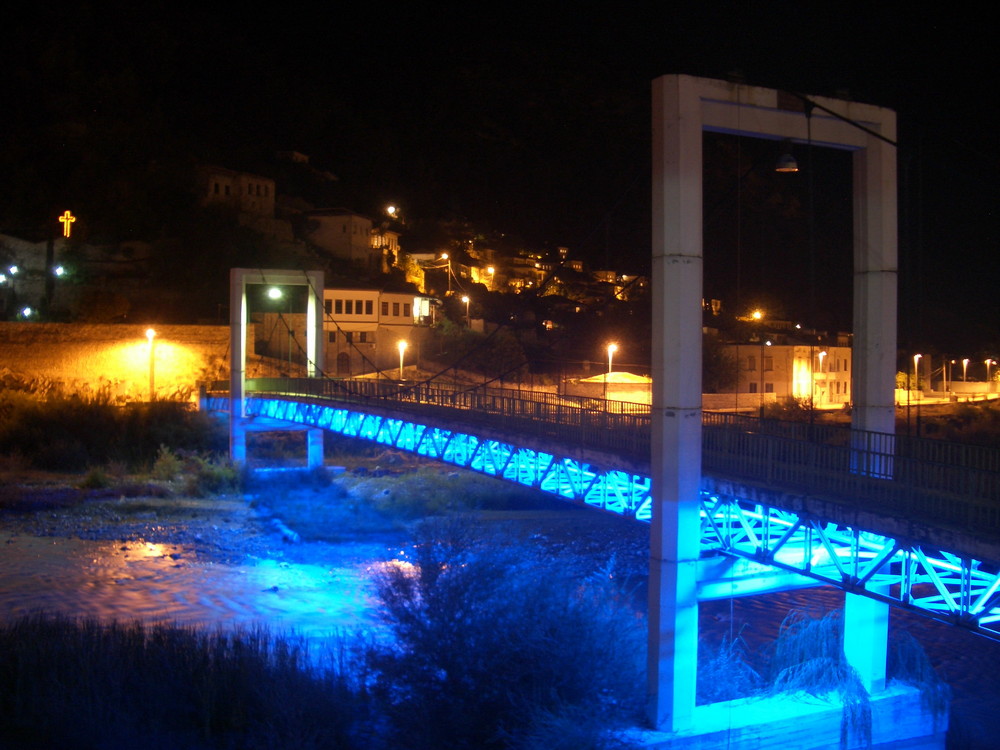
(782, 505)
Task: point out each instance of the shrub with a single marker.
(204, 475)
(96, 479)
(494, 642)
(808, 656)
(167, 465)
(67, 683)
(724, 672)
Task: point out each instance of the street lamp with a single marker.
(612, 348)
(468, 320)
(401, 345)
(490, 270)
(447, 258)
(150, 335)
(989, 362)
(821, 356)
(916, 376)
(965, 369)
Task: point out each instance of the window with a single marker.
(752, 365)
(357, 307)
(349, 337)
(768, 387)
(328, 306)
(406, 309)
(395, 309)
(753, 388)
(368, 307)
(338, 307)
(227, 189)
(768, 363)
(331, 336)
(216, 188)
(348, 307)
(385, 308)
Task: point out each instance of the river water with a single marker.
(328, 589)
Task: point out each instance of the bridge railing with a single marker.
(931, 478)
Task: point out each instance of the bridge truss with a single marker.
(948, 587)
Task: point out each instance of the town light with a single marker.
(965, 369)
(468, 320)
(916, 377)
(757, 314)
(150, 335)
(491, 271)
(401, 345)
(274, 292)
(989, 361)
(612, 348)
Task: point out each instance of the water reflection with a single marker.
(169, 583)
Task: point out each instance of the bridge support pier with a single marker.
(866, 638)
(684, 107)
(314, 448)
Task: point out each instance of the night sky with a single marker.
(534, 123)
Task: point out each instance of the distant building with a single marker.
(782, 371)
(247, 193)
(344, 234)
(363, 329)
(251, 197)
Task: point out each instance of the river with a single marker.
(326, 588)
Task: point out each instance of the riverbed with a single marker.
(215, 563)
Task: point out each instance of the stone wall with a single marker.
(113, 359)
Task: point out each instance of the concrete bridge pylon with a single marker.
(684, 107)
(239, 280)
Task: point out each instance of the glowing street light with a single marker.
(150, 335)
(916, 377)
(468, 320)
(965, 369)
(757, 315)
(612, 348)
(490, 271)
(401, 345)
(989, 362)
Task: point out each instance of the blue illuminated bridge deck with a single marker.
(913, 522)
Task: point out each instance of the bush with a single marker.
(205, 476)
(71, 433)
(808, 656)
(66, 683)
(493, 642)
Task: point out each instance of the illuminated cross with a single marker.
(67, 219)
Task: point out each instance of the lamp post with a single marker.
(447, 258)
(821, 356)
(916, 386)
(490, 270)
(989, 387)
(965, 369)
(612, 348)
(150, 335)
(401, 345)
(468, 320)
